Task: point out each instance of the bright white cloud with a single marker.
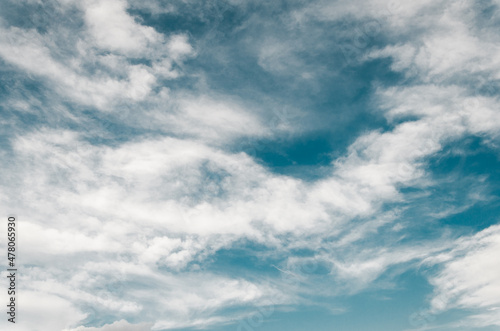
(111, 39)
(469, 278)
(114, 29)
(159, 206)
(42, 311)
(121, 325)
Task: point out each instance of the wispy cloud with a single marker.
(132, 179)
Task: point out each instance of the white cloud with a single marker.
(160, 206)
(214, 119)
(179, 46)
(121, 325)
(153, 195)
(111, 40)
(449, 48)
(114, 29)
(28, 50)
(470, 278)
(39, 311)
(398, 14)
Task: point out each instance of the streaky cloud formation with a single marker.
(159, 160)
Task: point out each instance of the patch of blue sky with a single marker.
(375, 310)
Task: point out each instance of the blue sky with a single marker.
(252, 165)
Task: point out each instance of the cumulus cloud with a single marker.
(114, 29)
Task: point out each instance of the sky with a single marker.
(249, 165)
